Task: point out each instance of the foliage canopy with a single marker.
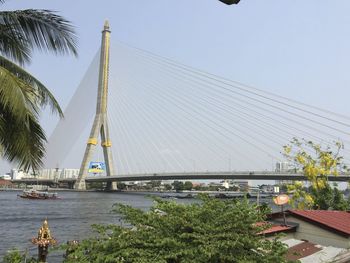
(317, 164)
(209, 231)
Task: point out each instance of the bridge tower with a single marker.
(100, 125)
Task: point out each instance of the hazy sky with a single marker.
(299, 49)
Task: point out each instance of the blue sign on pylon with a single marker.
(96, 167)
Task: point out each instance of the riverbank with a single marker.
(69, 218)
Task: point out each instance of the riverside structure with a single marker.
(100, 125)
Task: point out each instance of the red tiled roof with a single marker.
(5, 182)
(333, 220)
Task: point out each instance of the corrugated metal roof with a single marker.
(302, 250)
(335, 220)
(307, 252)
(276, 229)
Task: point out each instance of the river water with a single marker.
(70, 218)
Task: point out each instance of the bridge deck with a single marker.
(190, 176)
(211, 176)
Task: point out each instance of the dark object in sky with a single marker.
(230, 2)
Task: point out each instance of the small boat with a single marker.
(188, 196)
(34, 194)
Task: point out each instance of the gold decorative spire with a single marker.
(44, 236)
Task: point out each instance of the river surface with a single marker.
(70, 218)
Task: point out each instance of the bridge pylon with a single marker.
(100, 125)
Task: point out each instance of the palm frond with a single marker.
(14, 46)
(12, 98)
(22, 142)
(20, 89)
(42, 29)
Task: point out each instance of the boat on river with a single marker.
(35, 194)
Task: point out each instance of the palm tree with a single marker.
(22, 96)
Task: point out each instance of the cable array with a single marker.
(182, 119)
(168, 117)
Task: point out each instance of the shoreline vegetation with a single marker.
(205, 231)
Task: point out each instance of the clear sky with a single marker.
(299, 49)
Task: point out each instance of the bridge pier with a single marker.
(79, 184)
(71, 185)
(111, 186)
(100, 125)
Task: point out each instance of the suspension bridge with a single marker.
(166, 121)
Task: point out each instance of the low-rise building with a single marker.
(5, 183)
(242, 184)
(324, 227)
(313, 236)
(5, 177)
(267, 188)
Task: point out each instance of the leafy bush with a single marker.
(210, 231)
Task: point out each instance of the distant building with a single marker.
(56, 174)
(282, 167)
(226, 184)
(197, 184)
(5, 183)
(242, 184)
(69, 173)
(267, 188)
(19, 174)
(141, 183)
(5, 177)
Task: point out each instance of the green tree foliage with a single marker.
(121, 186)
(156, 183)
(188, 186)
(329, 198)
(210, 231)
(265, 208)
(178, 186)
(95, 185)
(168, 187)
(15, 256)
(234, 188)
(317, 164)
(200, 188)
(22, 96)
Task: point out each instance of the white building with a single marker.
(69, 173)
(19, 174)
(282, 167)
(5, 177)
(56, 174)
